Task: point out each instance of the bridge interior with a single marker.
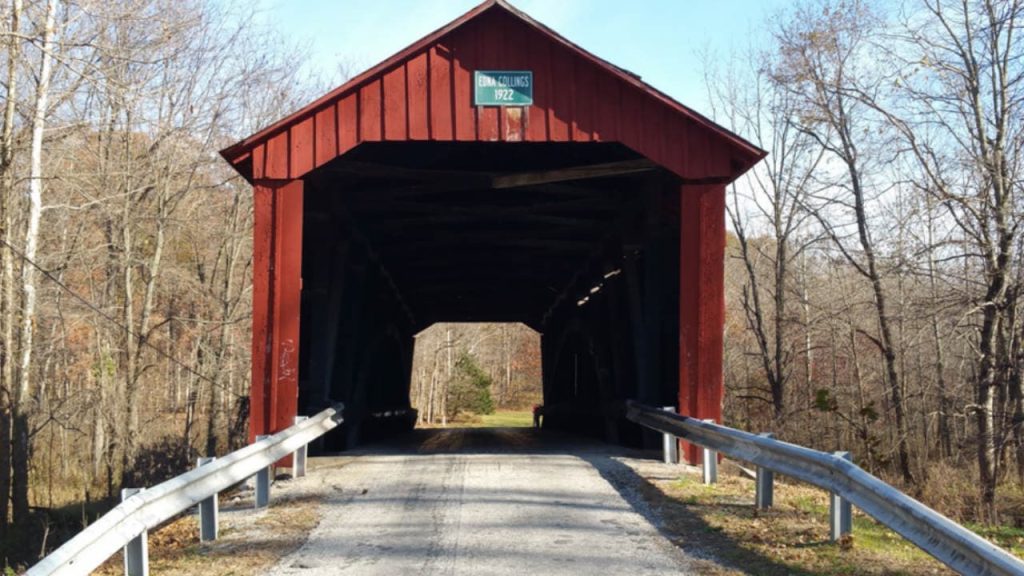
(579, 241)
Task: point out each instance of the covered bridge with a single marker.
(492, 171)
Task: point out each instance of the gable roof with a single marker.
(258, 157)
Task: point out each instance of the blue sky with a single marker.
(659, 39)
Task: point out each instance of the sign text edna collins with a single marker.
(502, 87)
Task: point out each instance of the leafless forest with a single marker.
(875, 268)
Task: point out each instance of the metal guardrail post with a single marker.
(763, 497)
(263, 481)
(709, 463)
(136, 552)
(299, 457)
(208, 511)
(670, 446)
(840, 510)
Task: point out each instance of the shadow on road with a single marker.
(675, 520)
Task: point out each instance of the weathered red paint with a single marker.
(425, 93)
(277, 284)
(701, 304)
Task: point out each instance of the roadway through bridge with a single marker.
(482, 501)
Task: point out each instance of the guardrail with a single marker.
(126, 525)
(949, 542)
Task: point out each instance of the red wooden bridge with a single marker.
(589, 206)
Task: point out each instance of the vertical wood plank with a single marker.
(441, 103)
(463, 64)
(396, 122)
(515, 52)
(371, 111)
(490, 41)
(348, 122)
(301, 142)
(262, 292)
(584, 92)
(701, 304)
(287, 302)
(277, 156)
(629, 116)
(560, 111)
(259, 159)
(537, 115)
(418, 97)
(609, 109)
(326, 128)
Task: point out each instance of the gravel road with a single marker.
(481, 502)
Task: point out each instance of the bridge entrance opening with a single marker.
(561, 237)
(590, 207)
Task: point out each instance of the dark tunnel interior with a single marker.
(579, 241)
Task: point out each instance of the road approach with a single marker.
(481, 502)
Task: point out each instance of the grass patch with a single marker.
(506, 419)
(792, 538)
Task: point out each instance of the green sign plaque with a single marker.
(503, 87)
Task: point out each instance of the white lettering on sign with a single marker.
(503, 81)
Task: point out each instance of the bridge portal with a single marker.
(492, 171)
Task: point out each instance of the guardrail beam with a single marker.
(209, 510)
(840, 510)
(136, 552)
(764, 492)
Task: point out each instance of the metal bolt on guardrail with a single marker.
(840, 509)
(263, 480)
(709, 463)
(764, 493)
(669, 445)
(136, 552)
(299, 457)
(209, 510)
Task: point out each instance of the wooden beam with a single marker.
(462, 179)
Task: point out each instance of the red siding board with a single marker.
(417, 92)
(276, 165)
(396, 122)
(348, 122)
(583, 110)
(326, 128)
(287, 290)
(301, 141)
(262, 245)
(560, 111)
(370, 112)
(490, 46)
(464, 50)
(441, 103)
(537, 115)
(701, 304)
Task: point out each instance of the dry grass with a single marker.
(792, 538)
(249, 543)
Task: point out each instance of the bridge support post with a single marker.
(710, 464)
(763, 498)
(670, 446)
(208, 511)
(840, 510)
(136, 553)
(263, 482)
(299, 458)
(701, 304)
